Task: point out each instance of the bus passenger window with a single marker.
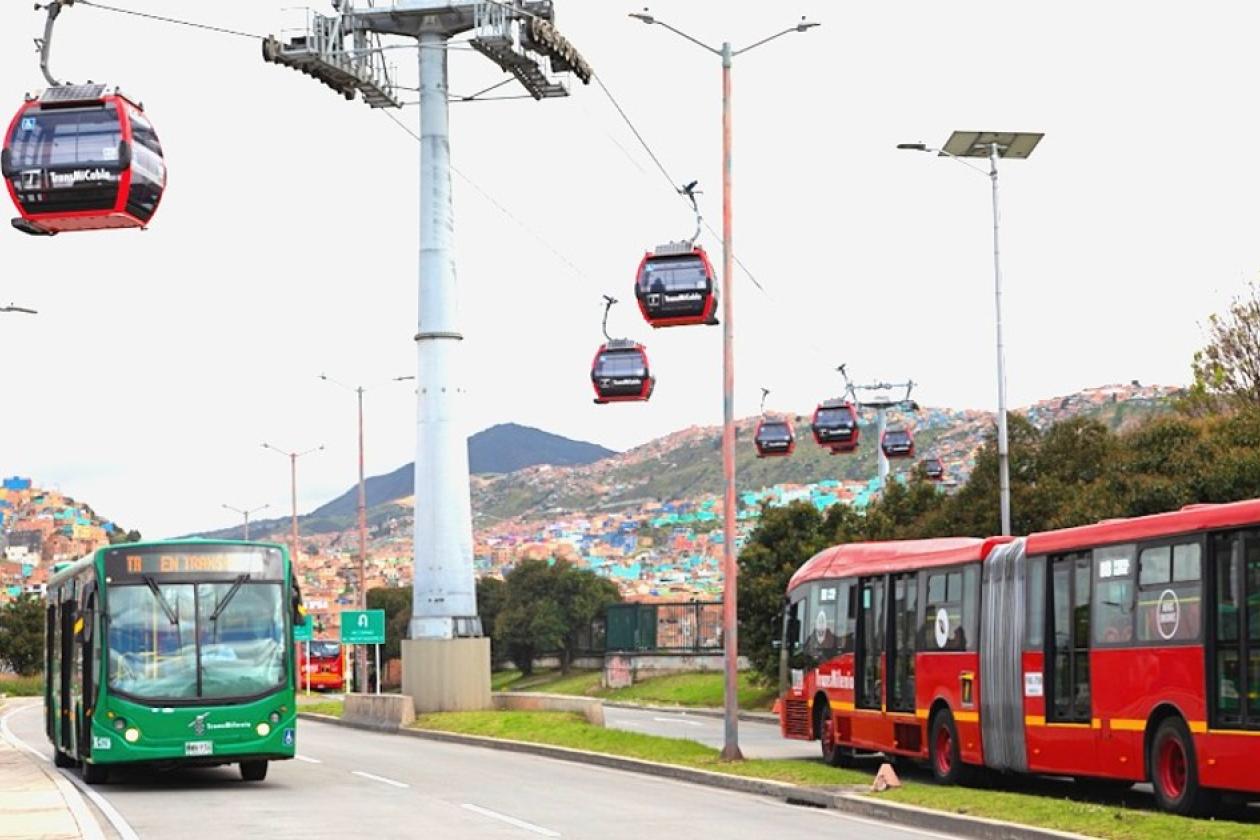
(1113, 602)
(1170, 593)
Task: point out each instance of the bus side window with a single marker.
(1036, 603)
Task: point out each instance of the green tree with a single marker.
(583, 597)
(1227, 370)
(22, 635)
(396, 602)
(530, 620)
(785, 538)
(119, 536)
(491, 593)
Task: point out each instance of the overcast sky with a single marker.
(286, 245)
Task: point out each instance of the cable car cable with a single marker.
(162, 19)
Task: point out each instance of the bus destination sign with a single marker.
(215, 562)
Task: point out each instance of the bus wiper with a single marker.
(161, 599)
(227, 599)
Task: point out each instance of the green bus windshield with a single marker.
(220, 640)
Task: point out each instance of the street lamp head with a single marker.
(643, 16)
(806, 25)
(914, 147)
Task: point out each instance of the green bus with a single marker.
(172, 654)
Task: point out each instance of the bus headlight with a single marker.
(132, 735)
(263, 729)
(119, 724)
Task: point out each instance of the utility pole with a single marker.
(293, 458)
(344, 52)
(246, 514)
(730, 567)
(360, 652)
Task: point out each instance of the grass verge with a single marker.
(561, 729)
(691, 690)
(335, 708)
(1111, 819)
(22, 686)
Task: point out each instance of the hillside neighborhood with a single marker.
(607, 516)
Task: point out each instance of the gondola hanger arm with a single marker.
(44, 45)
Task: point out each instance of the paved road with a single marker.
(356, 784)
(756, 740)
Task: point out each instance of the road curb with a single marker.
(698, 711)
(853, 804)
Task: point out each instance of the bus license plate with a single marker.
(198, 747)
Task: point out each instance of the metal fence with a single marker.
(693, 627)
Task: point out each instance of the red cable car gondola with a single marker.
(620, 373)
(897, 442)
(82, 157)
(774, 438)
(933, 469)
(676, 287)
(835, 426)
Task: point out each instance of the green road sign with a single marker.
(305, 631)
(363, 627)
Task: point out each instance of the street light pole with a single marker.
(360, 655)
(730, 567)
(992, 145)
(246, 514)
(1004, 457)
(293, 458)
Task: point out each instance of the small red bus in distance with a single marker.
(1117, 653)
(325, 668)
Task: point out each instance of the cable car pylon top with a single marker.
(44, 45)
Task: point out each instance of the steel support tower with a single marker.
(344, 51)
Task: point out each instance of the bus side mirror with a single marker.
(793, 628)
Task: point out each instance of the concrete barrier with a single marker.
(379, 711)
(527, 701)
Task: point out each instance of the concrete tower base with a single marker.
(447, 675)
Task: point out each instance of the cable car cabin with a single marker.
(835, 426)
(620, 373)
(897, 443)
(933, 469)
(78, 157)
(774, 438)
(676, 287)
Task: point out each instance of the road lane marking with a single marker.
(382, 779)
(119, 823)
(495, 815)
(308, 759)
(677, 720)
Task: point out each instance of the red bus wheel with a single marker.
(1174, 771)
(833, 754)
(943, 751)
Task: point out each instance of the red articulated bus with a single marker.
(326, 668)
(1122, 652)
